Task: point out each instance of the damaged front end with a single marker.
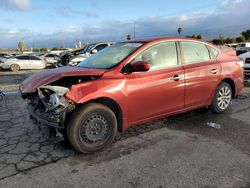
(49, 106)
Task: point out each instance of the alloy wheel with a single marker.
(224, 97)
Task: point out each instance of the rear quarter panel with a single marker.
(232, 70)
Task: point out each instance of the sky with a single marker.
(48, 23)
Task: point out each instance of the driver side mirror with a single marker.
(140, 66)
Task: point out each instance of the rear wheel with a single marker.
(91, 128)
(222, 98)
(14, 67)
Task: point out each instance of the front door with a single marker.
(161, 89)
(36, 63)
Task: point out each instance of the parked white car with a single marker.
(246, 60)
(23, 62)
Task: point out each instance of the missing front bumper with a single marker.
(47, 118)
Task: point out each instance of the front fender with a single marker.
(85, 92)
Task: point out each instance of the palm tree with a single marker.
(21, 46)
(179, 30)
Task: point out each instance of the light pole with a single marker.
(134, 29)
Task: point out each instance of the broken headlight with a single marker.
(52, 98)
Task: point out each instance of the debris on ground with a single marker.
(214, 125)
(1, 95)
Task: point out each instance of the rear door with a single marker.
(202, 72)
(23, 61)
(36, 63)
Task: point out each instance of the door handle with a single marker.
(176, 78)
(214, 71)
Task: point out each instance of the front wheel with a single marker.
(222, 98)
(91, 128)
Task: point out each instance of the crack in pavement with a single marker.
(21, 140)
(24, 147)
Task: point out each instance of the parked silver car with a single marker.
(23, 62)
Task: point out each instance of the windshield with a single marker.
(110, 56)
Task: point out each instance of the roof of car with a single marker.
(25, 55)
(162, 39)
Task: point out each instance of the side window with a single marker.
(194, 52)
(101, 46)
(34, 58)
(159, 56)
(213, 52)
(49, 55)
(22, 57)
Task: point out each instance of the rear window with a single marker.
(194, 52)
(22, 57)
(34, 58)
(49, 55)
(213, 52)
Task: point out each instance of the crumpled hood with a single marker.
(48, 76)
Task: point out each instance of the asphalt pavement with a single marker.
(10, 81)
(179, 151)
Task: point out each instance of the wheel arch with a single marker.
(115, 107)
(232, 84)
(110, 103)
(15, 63)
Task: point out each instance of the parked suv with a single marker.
(130, 83)
(245, 57)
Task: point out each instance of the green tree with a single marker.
(222, 40)
(246, 34)
(35, 50)
(179, 30)
(21, 46)
(194, 36)
(240, 39)
(218, 41)
(43, 49)
(199, 36)
(229, 40)
(129, 37)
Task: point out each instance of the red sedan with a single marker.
(130, 83)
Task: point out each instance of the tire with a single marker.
(91, 128)
(49, 65)
(222, 98)
(14, 67)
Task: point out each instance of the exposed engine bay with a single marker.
(53, 99)
(49, 106)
